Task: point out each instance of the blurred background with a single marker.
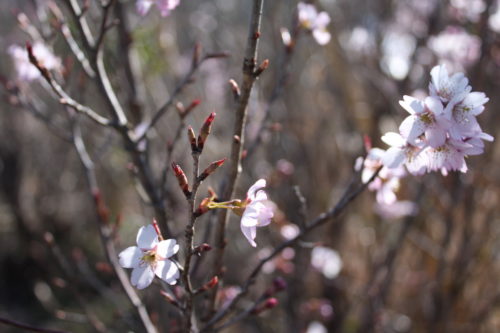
(435, 271)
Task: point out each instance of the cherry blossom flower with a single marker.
(26, 71)
(402, 152)
(310, 19)
(165, 6)
(258, 211)
(447, 87)
(150, 258)
(327, 261)
(429, 117)
(456, 47)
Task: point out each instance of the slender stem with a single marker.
(188, 311)
(249, 64)
(106, 235)
(27, 327)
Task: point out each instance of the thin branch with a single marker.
(106, 234)
(249, 64)
(27, 327)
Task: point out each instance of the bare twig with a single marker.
(27, 327)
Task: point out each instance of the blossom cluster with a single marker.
(164, 6)
(439, 133)
(314, 21)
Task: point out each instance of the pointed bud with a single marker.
(209, 285)
(191, 107)
(192, 139)
(210, 169)
(262, 67)
(182, 179)
(235, 89)
(268, 304)
(205, 131)
(368, 142)
(202, 248)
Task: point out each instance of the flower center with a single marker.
(427, 118)
(150, 257)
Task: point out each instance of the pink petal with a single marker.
(147, 237)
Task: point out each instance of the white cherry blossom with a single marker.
(150, 258)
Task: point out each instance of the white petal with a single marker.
(411, 128)
(167, 248)
(435, 137)
(393, 157)
(322, 36)
(142, 276)
(261, 183)
(130, 257)
(250, 233)
(147, 237)
(394, 139)
(250, 217)
(322, 20)
(167, 271)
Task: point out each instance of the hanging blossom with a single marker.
(26, 71)
(258, 211)
(150, 257)
(165, 6)
(311, 20)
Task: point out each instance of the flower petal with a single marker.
(250, 233)
(167, 271)
(130, 257)
(147, 237)
(167, 248)
(142, 276)
(261, 183)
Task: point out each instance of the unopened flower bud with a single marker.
(279, 284)
(268, 304)
(192, 139)
(202, 248)
(181, 178)
(205, 131)
(191, 107)
(209, 285)
(235, 89)
(210, 169)
(262, 67)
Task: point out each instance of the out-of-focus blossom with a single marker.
(467, 9)
(327, 261)
(258, 211)
(455, 47)
(26, 71)
(494, 20)
(359, 41)
(286, 37)
(164, 6)
(150, 258)
(396, 209)
(310, 19)
(285, 167)
(397, 47)
(289, 231)
(316, 327)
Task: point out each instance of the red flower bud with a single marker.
(181, 178)
(205, 131)
(210, 169)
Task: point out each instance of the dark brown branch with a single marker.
(27, 327)
(249, 64)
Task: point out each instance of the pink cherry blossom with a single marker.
(150, 258)
(402, 152)
(258, 211)
(430, 118)
(165, 6)
(310, 19)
